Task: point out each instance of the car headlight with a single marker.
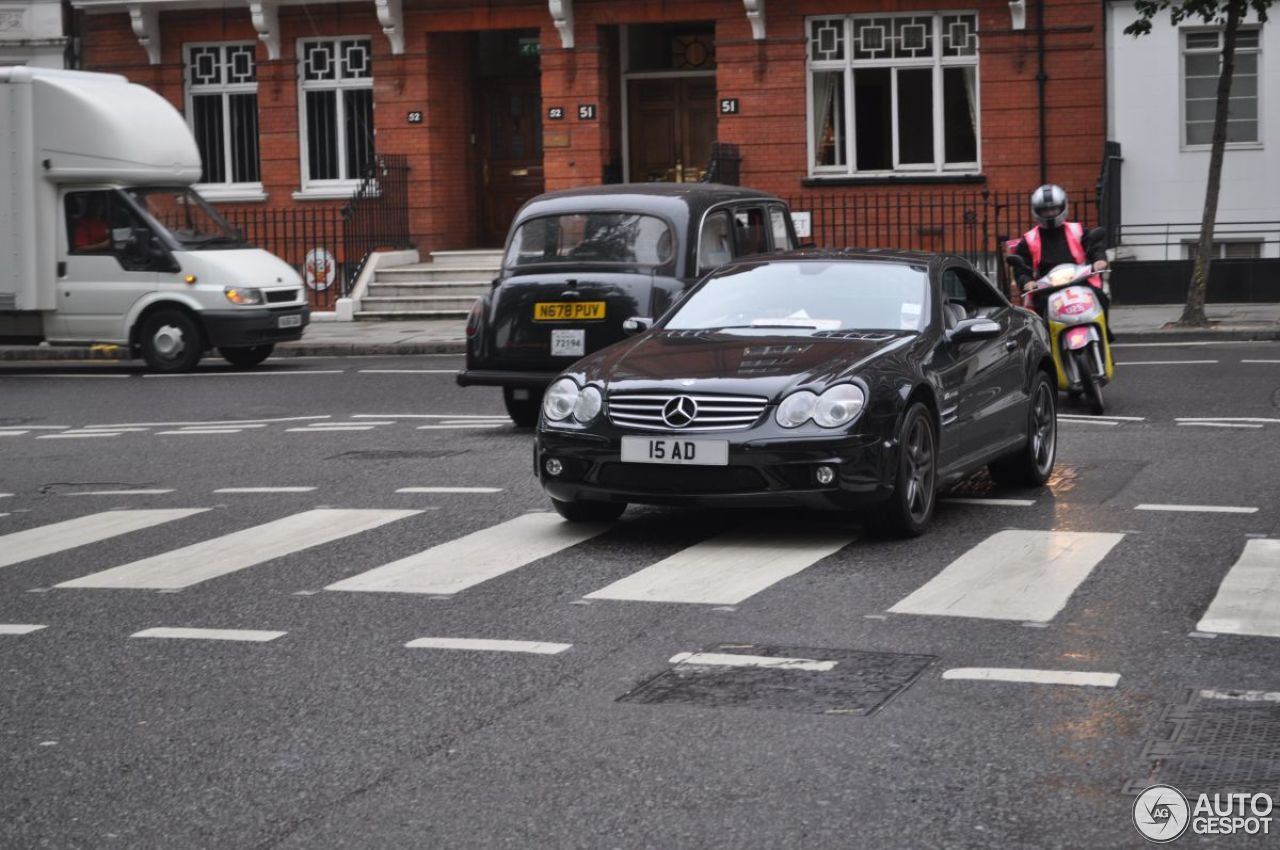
(560, 399)
(839, 405)
(796, 409)
(588, 405)
(243, 297)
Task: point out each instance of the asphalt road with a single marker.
(336, 734)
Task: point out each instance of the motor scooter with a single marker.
(1075, 312)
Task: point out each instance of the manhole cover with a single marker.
(819, 681)
(1218, 741)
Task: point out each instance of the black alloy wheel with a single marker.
(171, 341)
(1032, 464)
(248, 356)
(523, 411)
(589, 511)
(909, 510)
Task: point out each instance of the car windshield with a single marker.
(597, 237)
(186, 218)
(808, 296)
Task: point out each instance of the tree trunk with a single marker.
(1193, 313)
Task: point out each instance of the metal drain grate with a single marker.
(1218, 742)
(856, 683)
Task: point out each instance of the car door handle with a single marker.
(1010, 344)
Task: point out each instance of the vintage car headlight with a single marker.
(839, 405)
(796, 409)
(560, 399)
(588, 405)
(242, 296)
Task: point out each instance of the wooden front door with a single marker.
(510, 143)
(672, 125)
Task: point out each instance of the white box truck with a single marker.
(103, 240)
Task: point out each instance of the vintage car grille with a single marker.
(714, 412)
(646, 478)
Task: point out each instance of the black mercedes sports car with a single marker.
(825, 379)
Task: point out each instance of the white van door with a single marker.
(105, 267)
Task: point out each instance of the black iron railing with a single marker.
(377, 216)
(309, 238)
(725, 165)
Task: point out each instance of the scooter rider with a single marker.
(1054, 240)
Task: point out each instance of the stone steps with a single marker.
(445, 288)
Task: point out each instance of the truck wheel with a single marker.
(171, 341)
(523, 411)
(246, 357)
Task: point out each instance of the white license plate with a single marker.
(568, 342)
(674, 450)
(289, 322)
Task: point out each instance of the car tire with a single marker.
(523, 411)
(909, 510)
(1032, 464)
(171, 341)
(582, 511)
(248, 356)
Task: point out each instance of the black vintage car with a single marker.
(581, 262)
(822, 379)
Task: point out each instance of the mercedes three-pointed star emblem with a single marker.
(679, 411)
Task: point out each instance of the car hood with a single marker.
(726, 361)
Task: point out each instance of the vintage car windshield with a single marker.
(597, 237)
(186, 218)
(808, 296)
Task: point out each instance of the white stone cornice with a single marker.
(146, 26)
(562, 17)
(392, 19)
(266, 21)
(755, 14)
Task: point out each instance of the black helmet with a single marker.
(1049, 205)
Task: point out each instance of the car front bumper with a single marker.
(760, 472)
(247, 328)
(505, 378)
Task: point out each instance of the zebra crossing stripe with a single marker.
(459, 564)
(70, 534)
(729, 568)
(239, 550)
(1248, 600)
(1025, 576)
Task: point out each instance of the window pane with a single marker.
(244, 137)
(781, 237)
(1199, 132)
(1242, 131)
(873, 112)
(828, 118)
(358, 113)
(915, 116)
(960, 114)
(206, 112)
(1202, 40)
(1203, 87)
(322, 135)
(1241, 86)
(1241, 250)
(751, 235)
(1247, 39)
(826, 40)
(1201, 110)
(1202, 65)
(959, 35)
(1239, 108)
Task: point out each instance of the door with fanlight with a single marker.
(670, 85)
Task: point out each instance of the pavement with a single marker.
(1132, 324)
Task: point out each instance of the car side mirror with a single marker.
(968, 330)
(636, 324)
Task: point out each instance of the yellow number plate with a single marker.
(558, 311)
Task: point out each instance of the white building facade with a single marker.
(31, 33)
(1161, 94)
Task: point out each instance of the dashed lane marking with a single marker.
(247, 635)
(483, 645)
(1037, 677)
(47, 539)
(263, 374)
(78, 435)
(119, 493)
(1165, 362)
(727, 659)
(1264, 420)
(213, 423)
(449, 490)
(1249, 425)
(326, 429)
(1017, 503)
(1206, 509)
(408, 371)
(201, 431)
(19, 628)
(248, 490)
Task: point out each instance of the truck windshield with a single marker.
(186, 218)
(596, 237)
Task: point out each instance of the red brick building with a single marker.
(492, 101)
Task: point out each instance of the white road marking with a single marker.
(1219, 425)
(481, 426)
(6, 495)
(1241, 696)
(729, 568)
(199, 431)
(408, 371)
(367, 422)
(34, 427)
(1037, 677)
(19, 629)
(468, 416)
(265, 490)
(1105, 422)
(46, 539)
(13, 433)
(449, 490)
(459, 564)
(725, 659)
(62, 375)
(1248, 600)
(1207, 509)
(2, 516)
(241, 423)
(238, 427)
(1017, 503)
(481, 645)
(119, 493)
(315, 429)
(1262, 419)
(1091, 418)
(251, 635)
(238, 550)
(1026, 576)
(1189, 344)
(245, 374)
(1260, 361)
(1164, 362)
(72, 435)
